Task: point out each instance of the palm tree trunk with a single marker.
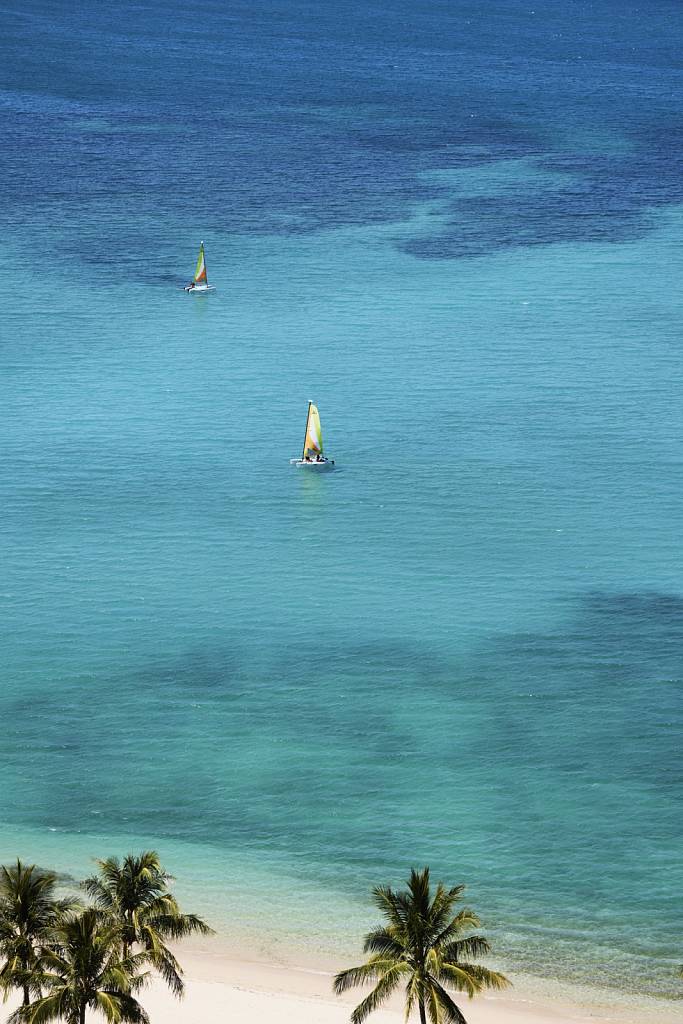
(128, 935)
(81, 1013)
(423, 1015)
(25, 968)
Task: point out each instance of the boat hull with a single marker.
(201, 289)
(314, 467)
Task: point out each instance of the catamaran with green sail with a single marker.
(200, 281)
(312, 453)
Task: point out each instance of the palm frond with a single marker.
(115, 976)
(170, 970)
(127, 1008)
(98, 892)
(52, 960)
(389, 903)
(447, 1011)
(466, 919)
(110, 871)
(380, 993)
(450, 929)
(470, 946)
(108, 1006)
(459, 977)
(157, 903)
(441, 910)
(362, 975)
(483, 977)
(432, 1004)
(418, 887)
(47, 1008)
(384, 941)
(178, 925)
(413, 989)
(135, 963)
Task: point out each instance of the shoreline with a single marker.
(242, 983)
(280, 955)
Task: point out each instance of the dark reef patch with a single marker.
(305, 133)
(364, 697)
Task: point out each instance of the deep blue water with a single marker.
(458, 227)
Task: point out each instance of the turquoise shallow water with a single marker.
(464, 647)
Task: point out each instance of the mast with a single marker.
(308, 416)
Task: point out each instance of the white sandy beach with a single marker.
(222, 987)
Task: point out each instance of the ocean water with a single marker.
(459, 228)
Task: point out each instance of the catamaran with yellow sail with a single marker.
(200, 281)
(312, 454)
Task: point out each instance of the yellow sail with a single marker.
(200, 270)
(313, 442)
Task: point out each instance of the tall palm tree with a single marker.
(29, 909)
(424, 945)
(82, 968)
(134, 892)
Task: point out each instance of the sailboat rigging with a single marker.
(200, 281)
(312, 456)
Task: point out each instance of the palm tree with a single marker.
(29, 910)
(426, 946)
(83, 967)
(134, 893)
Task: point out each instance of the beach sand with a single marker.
(222, 986)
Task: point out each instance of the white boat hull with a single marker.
(200, 289)
(316, 467)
